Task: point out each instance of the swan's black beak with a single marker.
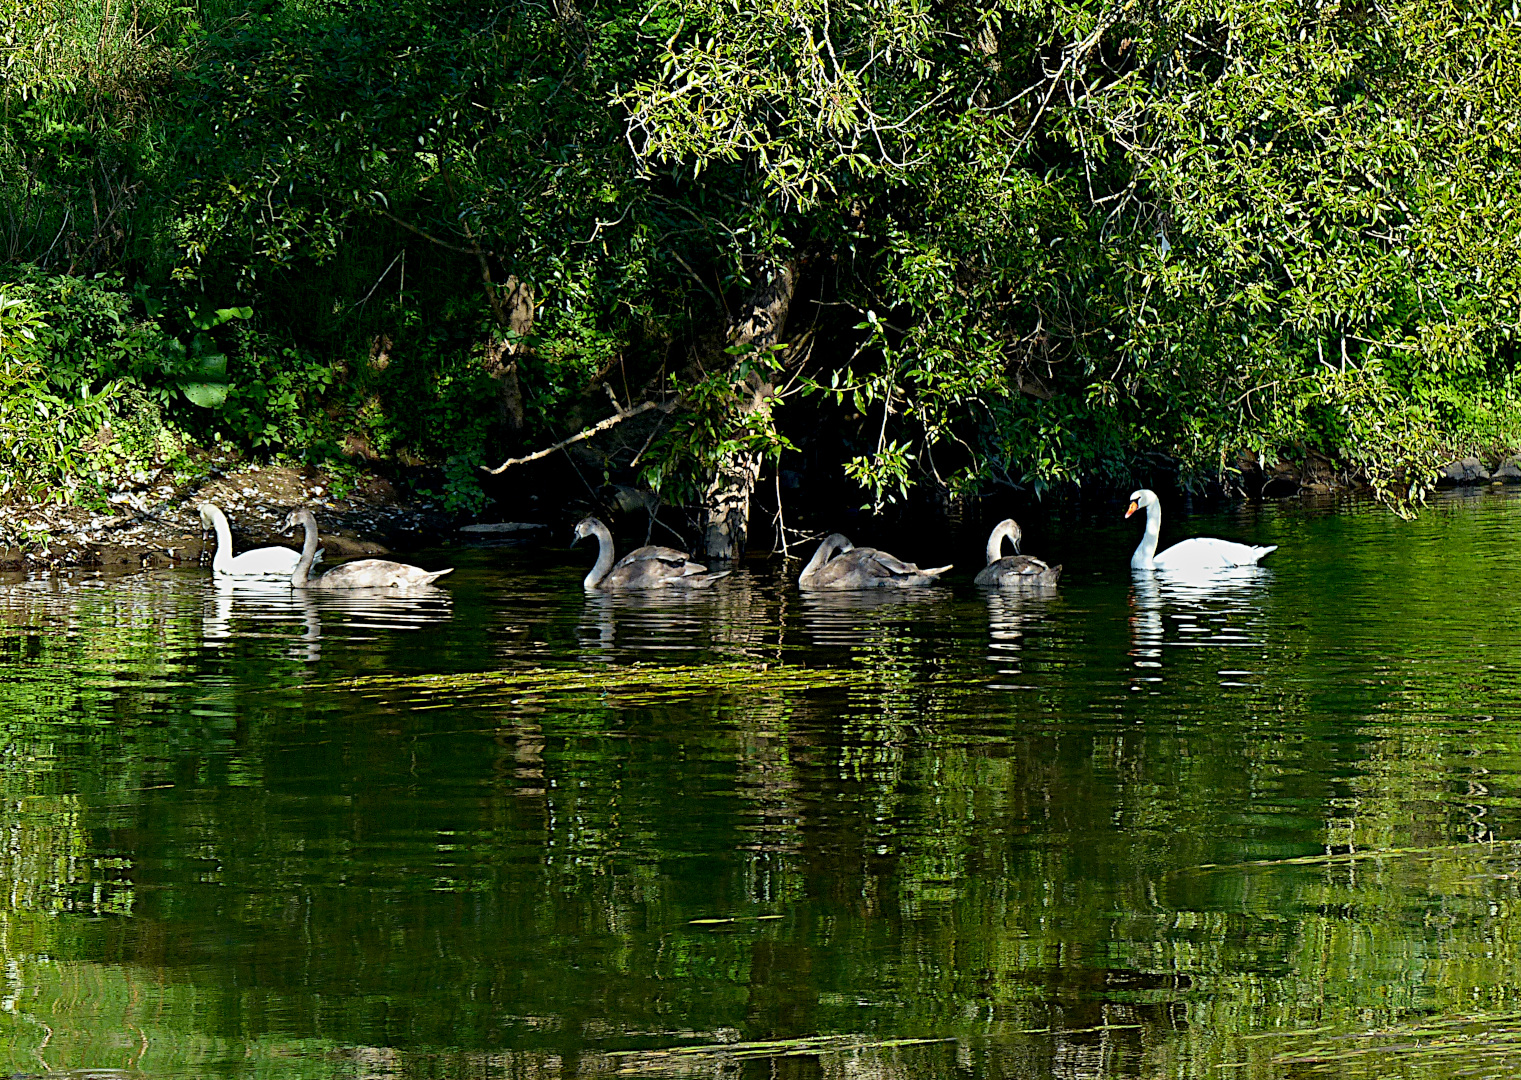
(1134, 506)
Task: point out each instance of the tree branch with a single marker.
(582, 436)
(425, 236)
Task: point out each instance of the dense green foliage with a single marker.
(1035, 243)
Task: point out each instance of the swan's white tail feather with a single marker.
(1255, 555)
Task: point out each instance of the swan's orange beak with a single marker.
(1133, 508)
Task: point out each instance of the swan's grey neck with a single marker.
(221, 562)
(300, 577)
(1146, 550)
(995, 542)
(605, 553)
(831, 543)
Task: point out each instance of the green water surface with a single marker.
(1260, 827)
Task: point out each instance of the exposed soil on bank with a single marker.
(158, 524)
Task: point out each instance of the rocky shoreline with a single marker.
(1317, 475)
(156, 524)
(1471, 471)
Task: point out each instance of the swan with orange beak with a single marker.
(1198, 554)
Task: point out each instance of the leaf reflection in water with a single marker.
(718, 1059)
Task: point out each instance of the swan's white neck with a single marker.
(221, 562)
(605, 553)
(300, 577)
(995, 543)
(1146, 551)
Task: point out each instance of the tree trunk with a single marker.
(726, 502)
(726, 507)
(513, 308)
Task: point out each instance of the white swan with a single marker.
(359, 574)
(264, 562)
(1198, 553)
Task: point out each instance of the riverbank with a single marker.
(156, 523)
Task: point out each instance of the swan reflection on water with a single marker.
(1012, 613)
(857, 617)
(675, 620)
(251, 608)
(1222, 609)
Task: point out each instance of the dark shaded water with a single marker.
(1269, 827)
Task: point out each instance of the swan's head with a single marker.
(837, 542)
(301, 516)
(584, 528)
(207, 521)
(1010, 528)
(1140, 500)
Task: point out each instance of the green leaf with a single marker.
(211, 367)
(206, 395)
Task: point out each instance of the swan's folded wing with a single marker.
(658, 554)
(653, 562)
(361, 573)
(1203, 552)
(262, 562)
(1019, 571)
(885, 563)
(1022, 565)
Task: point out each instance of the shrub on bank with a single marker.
(1211, 231)
(101, 384)
(72, 419)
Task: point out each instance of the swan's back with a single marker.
(1209, 553)
(262, 562)
(1018, 570)
(653, 566)
(869, 568)
(376, 574)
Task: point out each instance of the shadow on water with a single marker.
(1263, 825)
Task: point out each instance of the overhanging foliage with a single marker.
(1038, 243)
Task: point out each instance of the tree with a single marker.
(994, 242)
